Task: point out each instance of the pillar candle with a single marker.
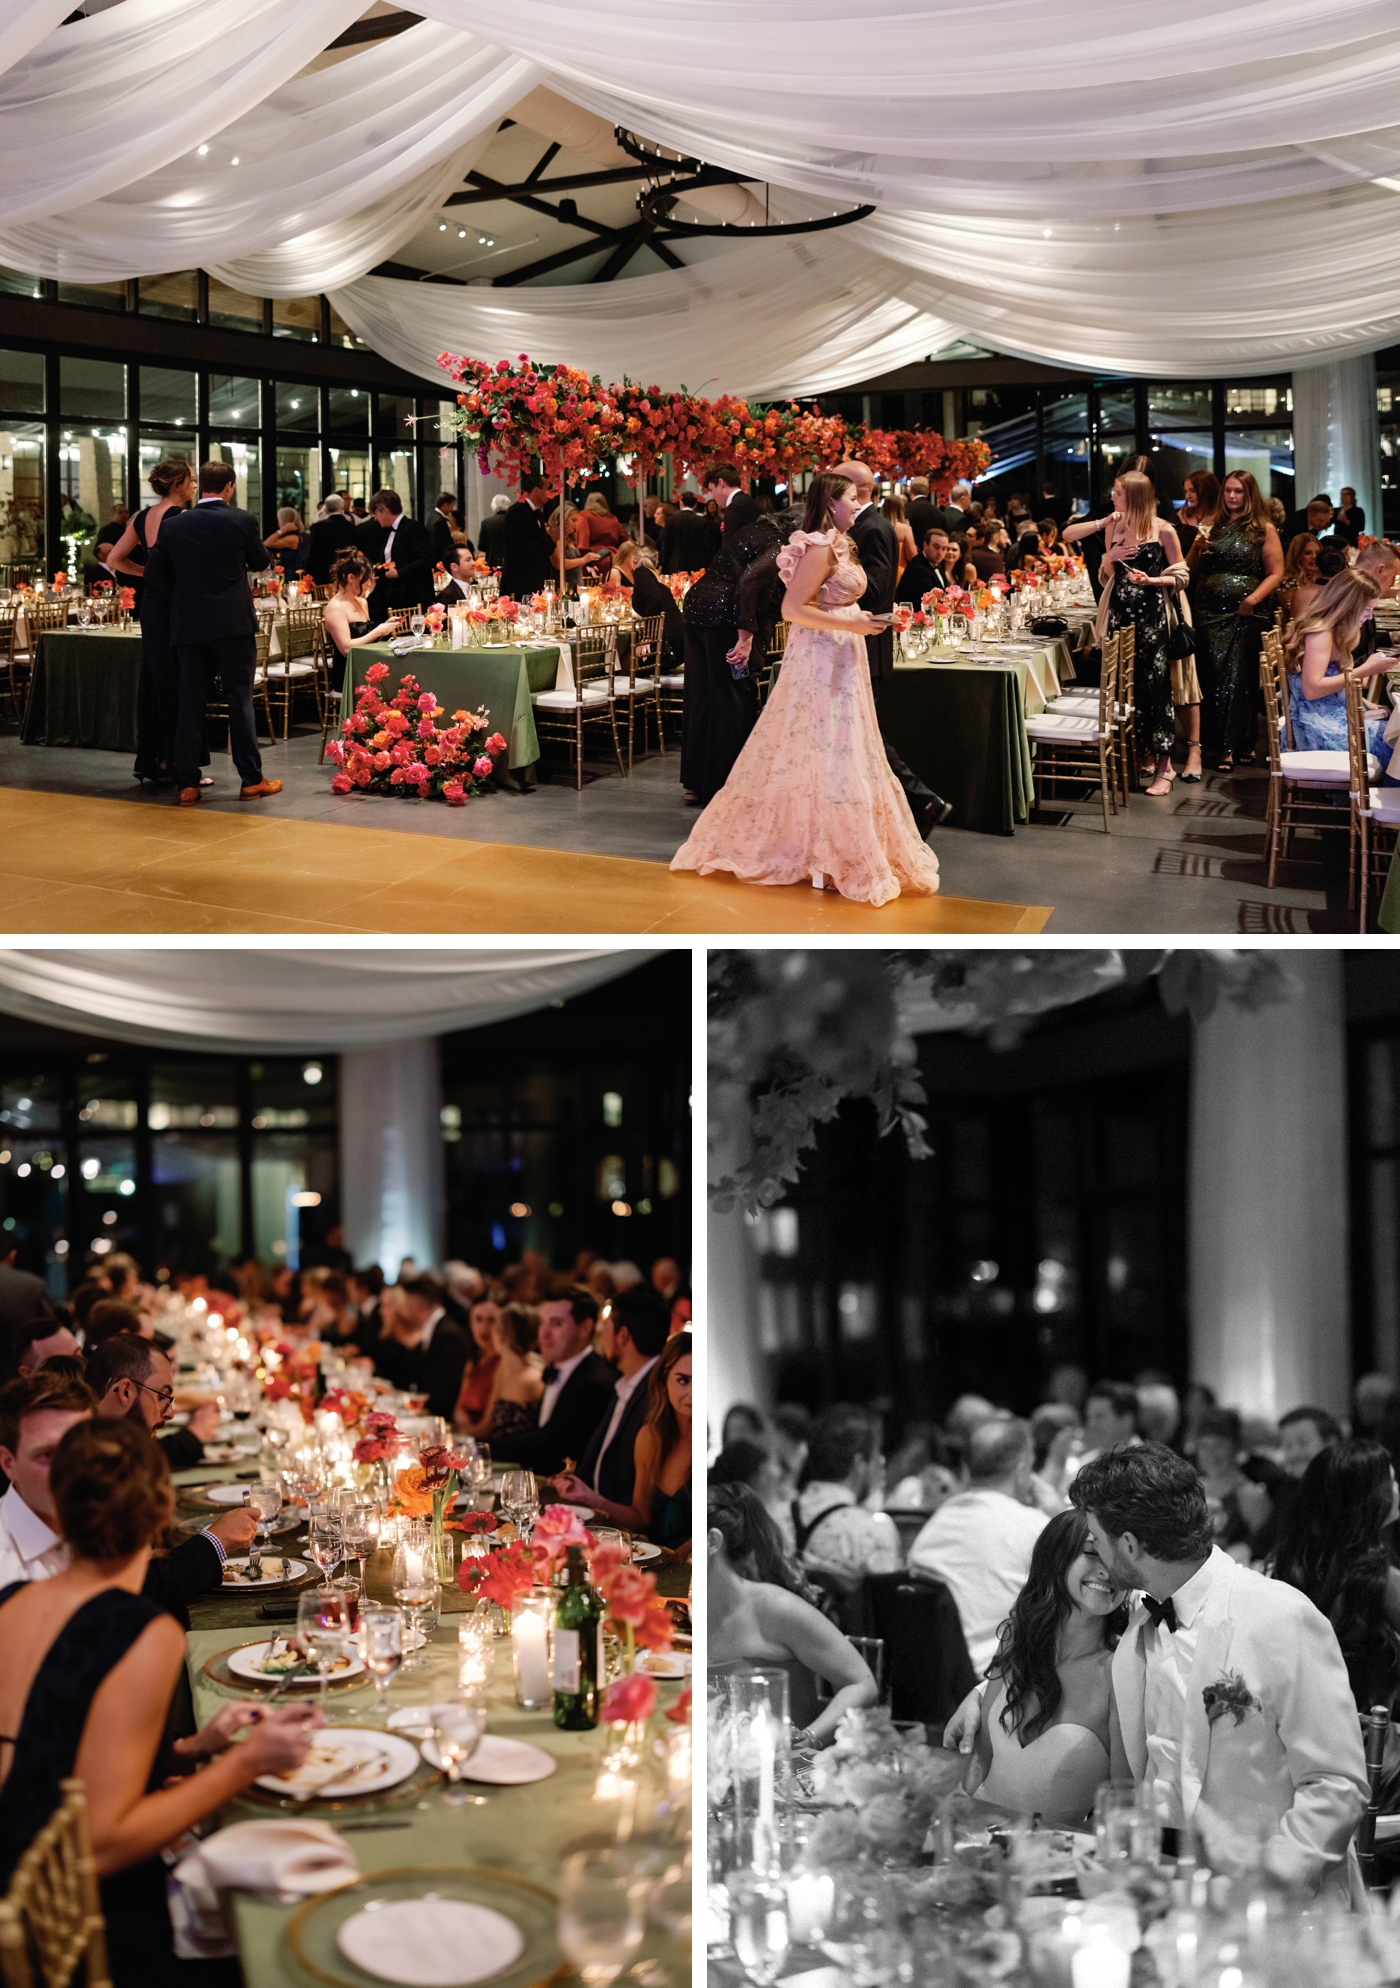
(529, 1637)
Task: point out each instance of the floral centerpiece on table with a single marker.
(397, 747)
(438, 1471)
(349, 1404)
(639, 1618)
(880, 1789)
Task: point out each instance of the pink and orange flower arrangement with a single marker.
(397, 747)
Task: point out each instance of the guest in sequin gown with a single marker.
(1236, 565)
(811, 796)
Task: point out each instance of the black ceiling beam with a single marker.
(575, 183)
(632, 240)
(545, 159)
(560, 260)
(378, 29)
(494, 190)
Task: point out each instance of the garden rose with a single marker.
(376, 672)
(628, 1594)
(341, 784)
(453, 795)
(483, 768)
(495, 743)
(426, 701)
(679, 1714)
(382, 761)
(628, 1700)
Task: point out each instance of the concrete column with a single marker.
(391, 1173)
(734, 1369)
(475, 496)
(1336, 433)
(1269, 1287)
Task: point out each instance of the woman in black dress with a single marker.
(651, 596)
(1236, 564)
(158, 699)
(90, 1669)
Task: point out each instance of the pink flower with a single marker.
(605, 1559)
(382, 761)
(335, 752)
(396, 777)
(628, 1594)
(374, 1449)
(400, 754)
(427, 701)
(483, 768)
(628, 1700)
(376, 672)
(426, 729)
(679, 1714)
(341, 784)
(362, 776)
(453, 795)
(433, 756)
(495, 743)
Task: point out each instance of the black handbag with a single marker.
(1181, 643)
(1050, 624)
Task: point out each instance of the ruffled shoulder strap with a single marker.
(791, 555)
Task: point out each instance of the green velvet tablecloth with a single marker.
(464, 680)
(85, 689)
(961, 726)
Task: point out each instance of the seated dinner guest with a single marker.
(636, 1326)
(1317, 648)
(577, 1392)
(660, 1501)
(348, 620)
(839, 1539)
(1043, 1748)
(203, 559)
(757, 1618)
(91, 1666)
(1332, 1545)
(635, 569)
(512, 1417)
(979, 1542)
(434, 1348)
(462, 573)
(472, 1415)
(926, 570)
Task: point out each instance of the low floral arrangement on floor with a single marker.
(397, 748)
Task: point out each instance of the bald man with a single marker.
(877, 549)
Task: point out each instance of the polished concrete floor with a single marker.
(1190, 863)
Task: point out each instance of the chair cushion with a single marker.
(1385, 804)
(1320, 769)
(565, 700)
(1049, 729)
(279, 668)
(676, 682)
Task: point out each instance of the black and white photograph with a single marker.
(1053, 1600)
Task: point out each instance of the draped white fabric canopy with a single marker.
(293, 1001)
(1134, 190)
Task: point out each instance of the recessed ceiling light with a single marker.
(203, 151)
(233, 162)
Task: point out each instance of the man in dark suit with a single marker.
(923, 513)
(440, 540)
(203, 559)
(721, 691)
(957, 512)
(328, 538)
(461, 574)
(578, 1386)
(438, 1349)
(636, 1327)
(877, 549)
(491, 538)
(23, 1296)
(525, 566)
(400, 546)
(684, 541)
(926, 569)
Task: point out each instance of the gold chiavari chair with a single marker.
(644, 687)
(1375, 809)
(566, 715)
(301, 667)
(10, 666)
(1071, 745)
(218, 706)
(1305, 788)
(51, 1926)
(772, 656)
(1085, 704)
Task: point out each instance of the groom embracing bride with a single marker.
(1231, 1705)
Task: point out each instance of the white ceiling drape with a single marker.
(293, 1002)
(1130, 189)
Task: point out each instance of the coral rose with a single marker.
(495, 743)
(382, 761)
(396, 777)
(628, 1700)
(628, 1594)
(453, 795)
(376, 672)
(483, 769)
(341, 784)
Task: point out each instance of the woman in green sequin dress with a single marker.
(1236, 565)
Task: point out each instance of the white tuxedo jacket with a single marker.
(1295, 1763)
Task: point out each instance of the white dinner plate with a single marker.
(248, 1663)
(228, 1452)
(664, 1663)
(390, 1760)
(430, 1942)
(506, 1762)
(236, 1572)
(226, 1494)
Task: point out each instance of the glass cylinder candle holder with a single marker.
(529, 1641)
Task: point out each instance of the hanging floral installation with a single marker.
(793, 1035)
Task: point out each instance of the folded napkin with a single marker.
(291, 1855)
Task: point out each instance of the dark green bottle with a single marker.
(578, 1649)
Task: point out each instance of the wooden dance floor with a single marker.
(75, 864)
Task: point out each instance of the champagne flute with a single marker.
(458, 1730)
(382, 1630)
(323, 1542)
(602, 1913)
(322, 1631)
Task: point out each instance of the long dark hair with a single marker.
(751, 1543)
(662, 1419)
(1332, 1546)
(825, 489)
(1025, 1658)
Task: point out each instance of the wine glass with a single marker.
(323, 1542)
(415, 1590)
(458, 1729)
(519, 1499)
(354, 1537)
(481, 1473)
(323, 1631)
(265, 1501)
(382, 1632)
(602, 1913)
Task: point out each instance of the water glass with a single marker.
(323, 1631)
(1126, 1827)
(602, 1914)
(265, 1502)
(758, 1927)
(458, 1730)
(323, 1541)
(381, 1634)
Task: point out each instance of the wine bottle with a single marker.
(578, 1649)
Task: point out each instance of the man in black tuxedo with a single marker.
(437, 1348)
(721, 690)
(927, 569)
(525, 566)
(636, 1327)
(924, 514)
(461, 574)
(203, 559)
(685, 541)
(440, 540)
(328, 538)
(877, 549)
(491, 538)
(578, 1386)
(957, 512)
(400, 546)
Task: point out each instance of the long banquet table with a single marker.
(521, 1831)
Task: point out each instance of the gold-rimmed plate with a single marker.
(313, 1931)
(216, 1669)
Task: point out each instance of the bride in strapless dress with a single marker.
(811, 796)
(1044, 1743)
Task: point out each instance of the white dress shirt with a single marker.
(845, 1539)
(30, 1550)
(389, 541)
(426, 1337)
(979, 1544)
(556, 1386)
(624, 1389)
(1169, 1655)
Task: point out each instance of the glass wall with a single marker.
(1388, 408)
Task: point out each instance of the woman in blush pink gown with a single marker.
(811, 795)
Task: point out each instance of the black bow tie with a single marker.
(551, 1374)
(1161, 1612)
